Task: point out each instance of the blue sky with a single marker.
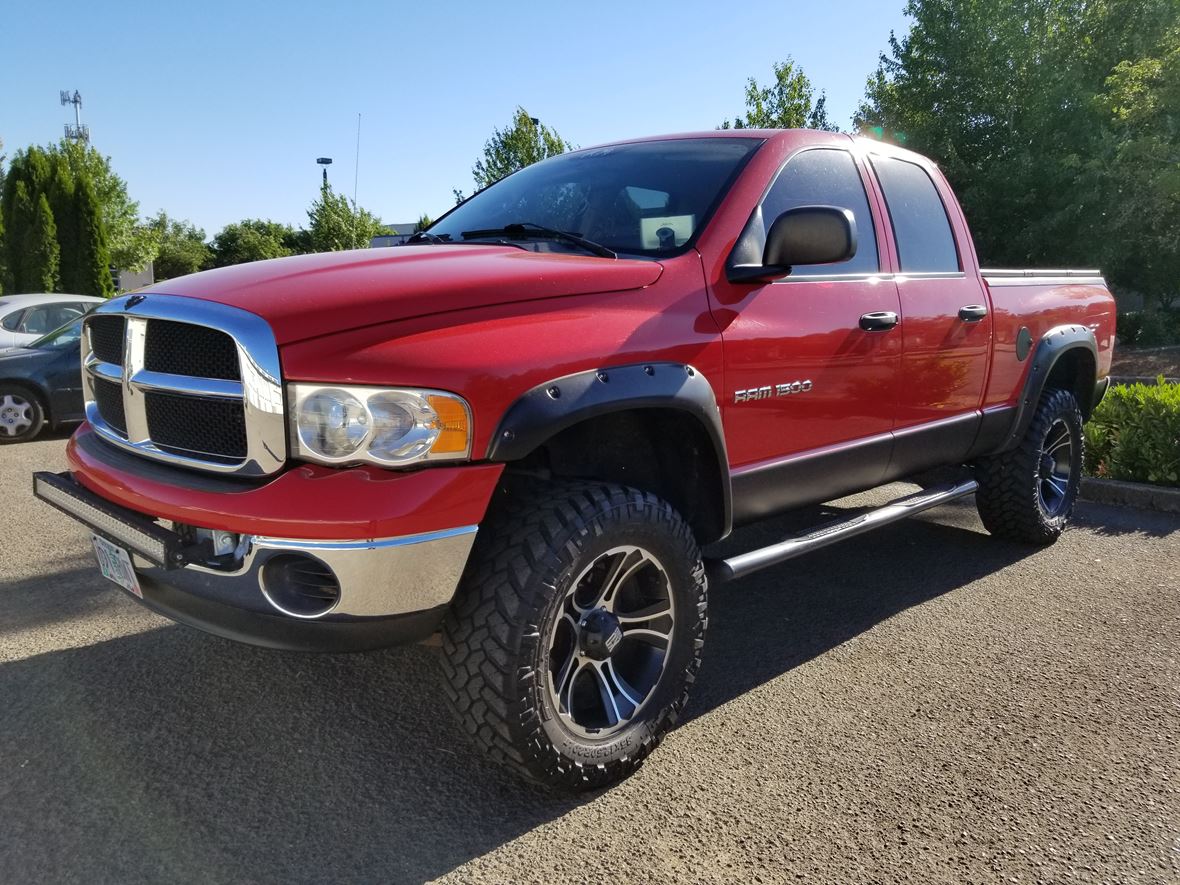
(216, 111)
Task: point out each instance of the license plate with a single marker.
(115, 565)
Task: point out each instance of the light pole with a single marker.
(325, 162)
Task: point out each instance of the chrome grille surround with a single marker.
(260, 390)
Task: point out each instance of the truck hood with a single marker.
(308, 296)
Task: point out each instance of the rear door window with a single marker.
(925, 243)
(824, 177)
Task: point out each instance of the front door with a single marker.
(809, 391)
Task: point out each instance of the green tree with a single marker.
(182, 247)
(42, 249)
(1022, 105)
(335, 223)
(523, 142)
(424, 221)
(252, 240)
(789, 103)
(1137, 172)
(94, 256)
(132, 245)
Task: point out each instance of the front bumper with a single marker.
(390, 590)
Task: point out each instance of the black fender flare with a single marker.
(547, 409)
(1054, 344)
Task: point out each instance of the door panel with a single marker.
(944, 364)
(807, 332)
(801, 374)
(64, 380)
(946, 320)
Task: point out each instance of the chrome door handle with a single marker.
(878, 321)
(972, 313)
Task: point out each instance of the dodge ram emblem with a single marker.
(771, 390)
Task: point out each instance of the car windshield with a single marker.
(60, 338)
(647, 198)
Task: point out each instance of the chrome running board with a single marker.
(721, 570)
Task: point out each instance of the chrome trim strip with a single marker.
(998, 282)
(260, 388)
(378, 578)
(187, 384)
(1034, 273)
(134, 405)
(106, 371)
(871, 277)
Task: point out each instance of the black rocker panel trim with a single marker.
(810, 478)
(935, 444)
(547, 409)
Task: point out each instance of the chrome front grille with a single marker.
(185, 381)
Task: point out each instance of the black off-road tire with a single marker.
(539, 538)
(1010, 499)
(32, 417)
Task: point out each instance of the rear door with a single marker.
(946, 326)
(810, 394)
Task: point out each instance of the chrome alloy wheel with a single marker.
(609, 645)
(16, 415)
(1056, 467)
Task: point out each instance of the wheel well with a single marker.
(1076, 372)
(667, 452)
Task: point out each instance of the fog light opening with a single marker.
(299, 586)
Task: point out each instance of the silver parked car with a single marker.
(25, 318)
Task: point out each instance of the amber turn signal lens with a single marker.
(454, 425)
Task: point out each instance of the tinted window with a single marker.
(923, 232)
(12, 321)
(646, 198)
(60, 339)
(39, 320)
(824, 178)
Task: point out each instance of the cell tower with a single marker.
(78, 131)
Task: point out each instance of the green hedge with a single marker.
(1134, 434)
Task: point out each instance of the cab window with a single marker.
(925, 243)
(824, 177)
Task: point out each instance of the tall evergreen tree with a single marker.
(65, 214)
(43, 251)
(94, 257)
(20, 216)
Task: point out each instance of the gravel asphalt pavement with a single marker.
(923, 704)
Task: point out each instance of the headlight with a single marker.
(391, 427)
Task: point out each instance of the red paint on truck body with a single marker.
(490, 322)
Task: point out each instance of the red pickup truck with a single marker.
(521, 428)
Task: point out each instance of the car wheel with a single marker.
(578, 630)
(21, 415)
(1027, 494)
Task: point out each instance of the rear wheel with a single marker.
(21, 414)
(577, 632)
(1028, 493)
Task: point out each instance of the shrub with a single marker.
(1158, 328)
(1128, 326)
(1134, 434)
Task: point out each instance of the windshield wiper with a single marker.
(423, 236)
(528, 229)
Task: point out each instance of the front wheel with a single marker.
(21, 415)
(577, 632)
(1027, 494)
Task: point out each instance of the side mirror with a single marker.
(804, 235)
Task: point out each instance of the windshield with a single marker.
(648, 198)
(61, 337)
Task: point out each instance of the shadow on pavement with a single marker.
(170, 754)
